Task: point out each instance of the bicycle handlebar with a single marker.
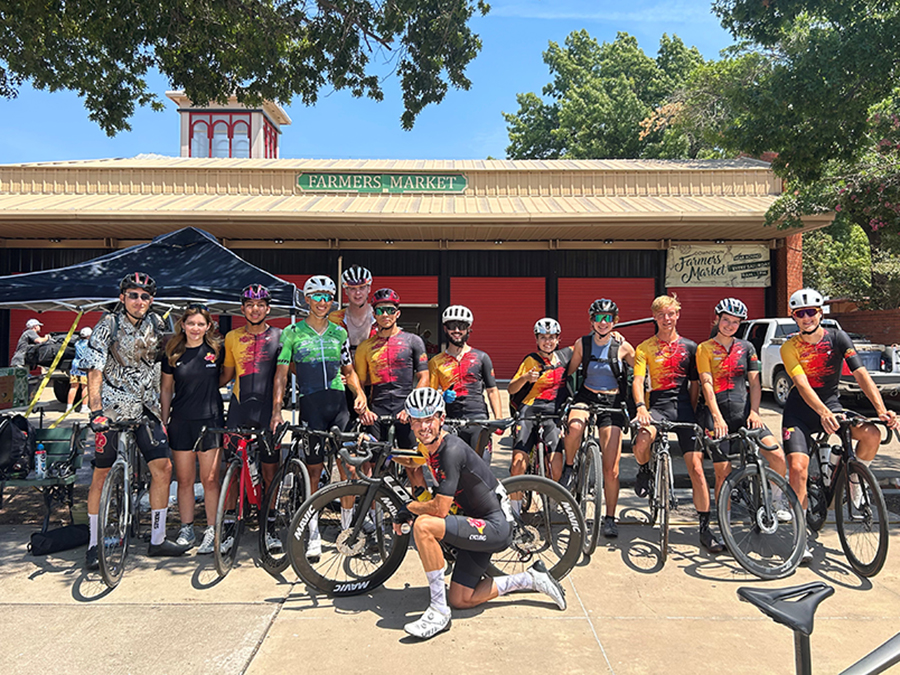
(851, 418)
(503, 423)
(745, 434)
(598, 409)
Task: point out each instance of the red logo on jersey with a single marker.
(478, 524)
(210, 357)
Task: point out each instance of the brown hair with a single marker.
(664, 302)
(177, 345)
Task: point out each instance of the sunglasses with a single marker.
(599, 318)
(320, 297)
(146, 297)
(809, 312)
(456, 325)
(202, 308)
(390, 311)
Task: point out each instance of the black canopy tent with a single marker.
(187, 265)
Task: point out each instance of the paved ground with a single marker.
(626, 614)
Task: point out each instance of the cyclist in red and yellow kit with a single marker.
(468, 373)
(813, 358)
(670, 361)
(357, 318)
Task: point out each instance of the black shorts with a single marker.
(799, 422)
(589, 397)
(675, 410)
(254, 414)
(151, 440)
(475, 539)
(475, 437)
(404, 438)
(721, 452)
(526, 434)
(183, 434)
(321, 411)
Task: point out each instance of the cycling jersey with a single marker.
(728, 368)
(549, 391)
(670, 366)
(460, 473)
(196, 376)
(252, 355)
(356, 336)
(468, 375)
(389, 365)
(821, 362)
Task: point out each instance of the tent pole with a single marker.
(340, 286)
(56, 360)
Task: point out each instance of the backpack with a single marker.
(17, 447)
(515, 400)
(623, 373)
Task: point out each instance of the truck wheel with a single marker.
(61, 390)
(781, 386)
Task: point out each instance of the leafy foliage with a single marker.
(254, 49)
(599, 95)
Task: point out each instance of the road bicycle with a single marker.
(859, 507)
(242, 488)
(483, 446)
(748, 506)
(290, 487)
(662, 497)
(356, 559)
(795, 607)
(119, 517)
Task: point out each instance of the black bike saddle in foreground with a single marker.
(794, 606)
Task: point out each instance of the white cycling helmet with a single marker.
(547, 326)
(319, 284)
(457, 313)
(732, 306)
(356, 275)
(806, 297)
(85, 332)
(424, 402)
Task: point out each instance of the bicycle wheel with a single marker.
(556, 540)
(346, 566)
(663, 505)
(229, 519)
(288, 490)
(758, 541)
(113, 525)
(861, 516)
(589, 492)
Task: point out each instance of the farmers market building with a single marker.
(512, 240)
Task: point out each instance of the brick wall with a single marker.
(790, 270)
(881, 326)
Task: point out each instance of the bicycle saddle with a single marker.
(794, 606)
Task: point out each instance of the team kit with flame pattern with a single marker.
(357, 370)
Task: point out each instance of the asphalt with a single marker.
(627, 613)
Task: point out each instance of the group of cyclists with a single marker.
(359, 363)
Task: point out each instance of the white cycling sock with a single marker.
(867, 462)
(438, 591)
(314, 527)
(346, 517)
(158, 531)
(514, 582)
(516, 506)
(94, 525)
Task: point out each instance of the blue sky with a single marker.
(466, 125)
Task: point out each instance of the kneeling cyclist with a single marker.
(461, 477)
(540, 387)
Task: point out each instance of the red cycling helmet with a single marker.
(386, 295)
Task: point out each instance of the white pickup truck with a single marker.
(767, 335)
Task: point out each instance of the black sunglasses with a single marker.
(132, 295)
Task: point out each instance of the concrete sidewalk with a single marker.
(627, 613)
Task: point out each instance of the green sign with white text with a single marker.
(391, 183)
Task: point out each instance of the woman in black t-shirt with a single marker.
(190, 399)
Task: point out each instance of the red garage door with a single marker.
(633, 297)
(419, 291)
(505, 310)
(698, 306)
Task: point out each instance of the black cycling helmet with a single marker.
(138, 280)
(603, 306)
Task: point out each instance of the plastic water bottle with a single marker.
(40, 462)
(833, 460)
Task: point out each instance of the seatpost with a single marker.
(802, 657)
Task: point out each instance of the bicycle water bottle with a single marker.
(40, 462)
(833, 460)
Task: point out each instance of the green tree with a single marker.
(254, 49)
(815, 81)
(598, 97)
